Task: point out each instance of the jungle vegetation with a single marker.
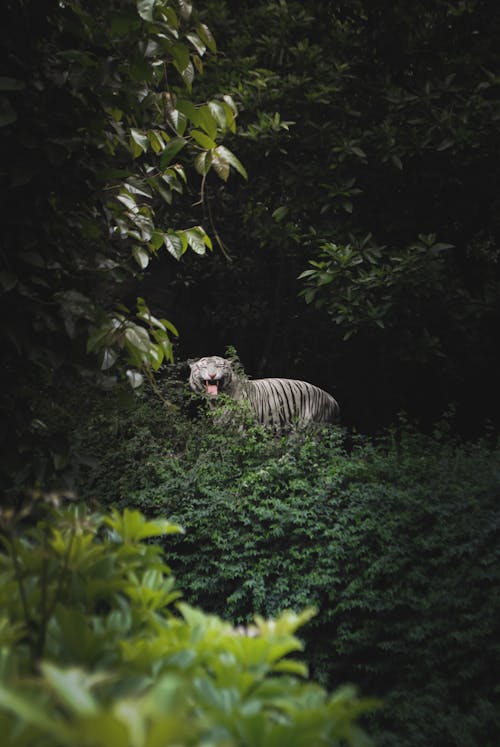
(310, 186)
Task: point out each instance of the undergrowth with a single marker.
(394, 539)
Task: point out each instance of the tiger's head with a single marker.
(211, 375)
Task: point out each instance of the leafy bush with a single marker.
(93, 651)
(395, 541)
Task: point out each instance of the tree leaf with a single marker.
(72, 687)
(205, 34)
(203, 140)
(173, 244)
(280, 213)
(228, 156)
(135, 378)
(171, 150)
(141, 256)
(145, 9)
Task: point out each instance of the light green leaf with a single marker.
(156, 239)
(198, 239)
(203, 140)
(207, 121)
(217, 111)
(171, 328)
(137, 337)
(128, 201)
(135, 378)
(156, 140)
(197, 43)
(188, 75)
(108, 358)
(73, 688)
(145, 9)
(132, 526)
(221, 167)
(230, 118)
(173, 244)
(203, 161)
(140, 140)
(141, 256)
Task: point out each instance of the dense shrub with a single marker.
(394, 540)
(94, 653)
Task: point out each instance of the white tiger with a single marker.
(273, 402)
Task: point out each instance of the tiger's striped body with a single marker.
(274, 402)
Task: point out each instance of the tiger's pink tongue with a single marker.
(212, 388)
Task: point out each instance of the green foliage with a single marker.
(102, 135)
(94, 652)
(369, 132)
(394, 541)
(376, 125)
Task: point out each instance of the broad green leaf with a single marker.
(165, 192)
(205, 34)
(198, 239)
(156, 239)
(187, 74)
(173, 244)
(128, 201)
(220, 166)
(230, 102)
(228, 156)
(178, 121)
(132, 526)
(171, 328)
(137, 336)
(137, 188)
(180, 53)
(171, 150)
(135, 378)
(217, 111)
(145, 9)
(109, 357)
(230, 118)
(72, 687)
(156, 140)
(203, 162)
(280, 213)
(198, 63)
(291, 666)
(139, 138)
(141, 256)
(189, 109)
(197, 43)
(207, 121)
(202, 139)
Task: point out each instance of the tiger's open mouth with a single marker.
(211, 387)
